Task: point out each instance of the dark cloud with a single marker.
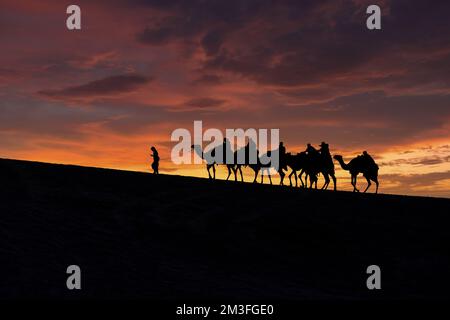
(7, 72)
(105, 86)
(371, 119)
(291, 43)
(128, 119)
(212, 42)
(208, 79)
(187, 20)
(156, 36)
(204, 103)
(46, 119)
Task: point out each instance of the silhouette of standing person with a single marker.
(310, 149)
(155, 164)
(368, 158)
(325, 151)
(324, 148)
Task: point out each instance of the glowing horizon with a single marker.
(140, 69)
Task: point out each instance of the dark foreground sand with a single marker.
(135, 235)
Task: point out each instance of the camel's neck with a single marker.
(343, 164)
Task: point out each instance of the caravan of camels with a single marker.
(309, 163)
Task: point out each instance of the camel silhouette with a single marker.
(297, 162)
(267, 167)
(326, 165)
(313, 162)
(311, 166)
(238, 166)
(358, 165)
(311, 170)
(262, 165)
(208, 156)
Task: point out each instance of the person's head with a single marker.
(365, 153)
(281, 143)
(308, 145)
(153, 148)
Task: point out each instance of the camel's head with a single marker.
(337, 157)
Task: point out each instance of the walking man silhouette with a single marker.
(155, 164)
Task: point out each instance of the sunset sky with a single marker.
(139, 69)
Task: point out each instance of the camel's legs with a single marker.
(209, 173)
(229, 172)
(290, 178)
(368, 184)
(312, 180)
(306, 180)
(256, 175)
(262, 174)
(300, 177)
(214, 171)
(296, 181)
(281, 173)
(305, 183)
(334, 181)
(235, 173)
(240, 171)
(327, 181)
(376, 182)
(354, 183)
